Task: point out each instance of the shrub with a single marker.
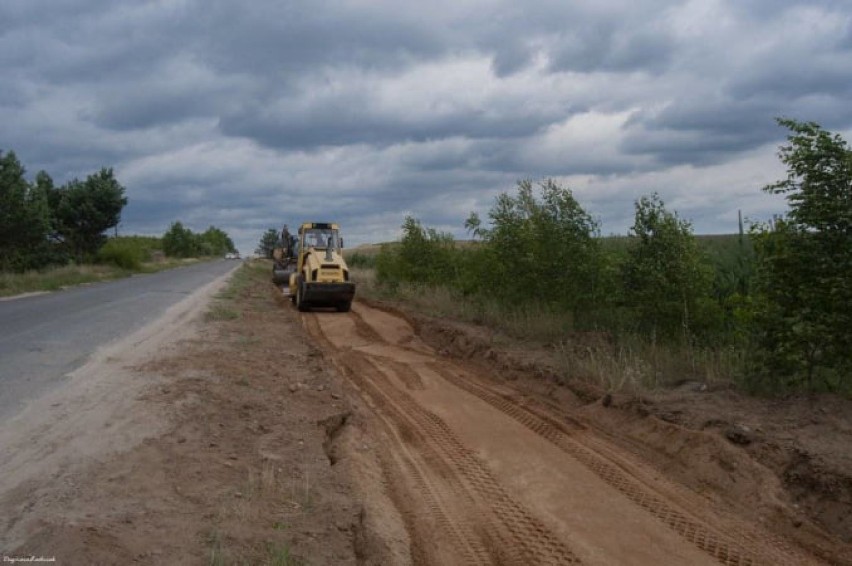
(803, 303)
(123, 254)
(666, 282)
(361, 261)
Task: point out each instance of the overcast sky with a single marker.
(247, 115)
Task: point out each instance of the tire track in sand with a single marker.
(724, 549)
(431, 501)
(516, 529)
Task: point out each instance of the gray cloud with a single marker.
(250, 115)
(351, 119)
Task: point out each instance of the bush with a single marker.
(803, 298)
(123, 254)
(361, 261)
(424, 255)
(180, 242)
(666, 281)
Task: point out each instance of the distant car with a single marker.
(232, 256)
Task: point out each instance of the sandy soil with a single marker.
(485, 473)
(783, 464)
(377, 437)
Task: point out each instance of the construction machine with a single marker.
(284, 258)
(319, 275)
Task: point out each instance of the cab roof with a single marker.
(318, 226)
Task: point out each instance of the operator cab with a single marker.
(321, 237)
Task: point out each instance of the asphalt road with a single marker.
(44, 337)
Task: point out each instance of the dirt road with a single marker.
(482, 476)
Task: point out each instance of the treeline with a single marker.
(179, 241)
(780, 297)
(44, 225)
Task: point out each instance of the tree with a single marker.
(664, 276)
(424, 255)
(214, 241)
(542, 249)
(51, 195)
(24, 217)
(268, 242)
(180, 242)
(87, 209)
(473, 224)
(803, 313)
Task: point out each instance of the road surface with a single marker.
(44, 337)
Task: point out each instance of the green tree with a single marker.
(424, 255)
(473, 224)
(214, 241)
(47, 190)
(179, 241)
(268, 242)
(85, 210)
(803, 313)
(665, 278)
(24, 217)
(542, 249)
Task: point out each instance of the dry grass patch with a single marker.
(56, 278)
(624, 363)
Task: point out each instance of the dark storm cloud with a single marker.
(350, 120)
(826, 75)
(247, 115)
(145, 111)
(89, 42)
(791, 60)
(280, 38)
(697, 130)
(611, 48)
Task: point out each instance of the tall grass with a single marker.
(129, 252)
(55, 278)
(614, 362)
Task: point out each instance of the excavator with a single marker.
(312, 267)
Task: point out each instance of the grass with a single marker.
(614, 363)
(536, 324)
(229, 303)
(221, 312)
(241, 279)
(214, 541)
(260, 484)
(279, 555)
(55, 278)
(635, 364)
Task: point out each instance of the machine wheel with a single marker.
(300, 297)
(344, 306)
